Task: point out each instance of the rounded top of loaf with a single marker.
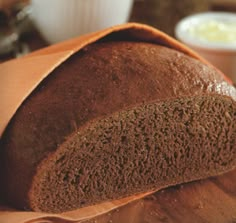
(51, 57)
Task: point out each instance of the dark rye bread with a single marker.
(117, 118)
(140, 149)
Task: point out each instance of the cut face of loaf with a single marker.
(140, 149)
(117, 118)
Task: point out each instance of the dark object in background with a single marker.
(164, 15)
(223, 5)
(8, 37)
(13, 25)
(3, 19)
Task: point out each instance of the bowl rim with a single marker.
(183, 35)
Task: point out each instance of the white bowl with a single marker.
(213, 36)
(58, 20)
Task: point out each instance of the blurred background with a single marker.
(19, 34)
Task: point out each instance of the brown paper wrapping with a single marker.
(18, 78)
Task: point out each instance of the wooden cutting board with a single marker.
(212, 200)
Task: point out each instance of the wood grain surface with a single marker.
(205, 201)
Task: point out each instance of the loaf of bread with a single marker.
(117, 118)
